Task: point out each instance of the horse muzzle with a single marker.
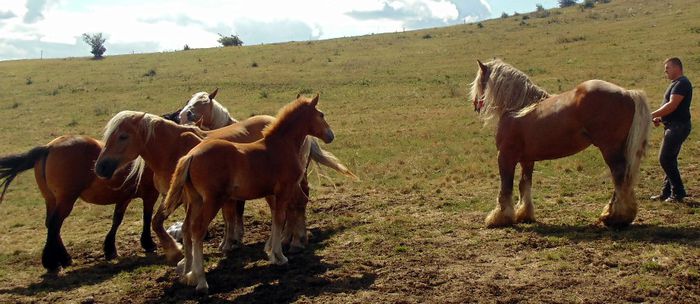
(329, 136)
(105, 168)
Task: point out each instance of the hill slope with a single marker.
(411, 230)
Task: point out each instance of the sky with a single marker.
(32, 29)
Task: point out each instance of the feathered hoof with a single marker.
(202, 289)
(499, 218)
(615, 222)
(278, 259)
(525, 214)
(174, 256)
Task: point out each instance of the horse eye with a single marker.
(123, 137)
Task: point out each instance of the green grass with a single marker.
(412, 228)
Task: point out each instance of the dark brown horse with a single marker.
(531, 125)
(216, 172)
(64, 172)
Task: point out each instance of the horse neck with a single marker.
(165, 147)
(219, 117)
(287, 139)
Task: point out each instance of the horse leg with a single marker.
(622, 208)
(110, 248)
(199, 224)
(233, 219)
(294, 233)
(525, 210)
(185, 265)
(55, 254)
(278, 208)
(146, 240)
(503, 215)
(172, 250)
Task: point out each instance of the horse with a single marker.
(203, 108)
(216, 172)
(63, 169)
(595, 112)
(128, 136)
(207, 113)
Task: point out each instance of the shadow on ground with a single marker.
(306, 275)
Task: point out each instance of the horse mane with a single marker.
(285, 116)
(507, 90)
(148, 123)
(220, 115)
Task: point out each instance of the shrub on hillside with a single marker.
(232, 40)
(567, 3)
(588, 4)
(96, 42)
(541, 12)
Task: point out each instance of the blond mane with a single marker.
(147, 123)
(507, 90)
(285, 116)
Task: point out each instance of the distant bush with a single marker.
(541, 12)
(254, 64)
(232, 40)
(29, 81)
(150, 73)
(427, 36)
(186, 48)
(567, 3)
(588, 4)
(504, 15)
(479, 25)
(96, 42)
(525, 17)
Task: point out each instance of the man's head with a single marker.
(673, 68)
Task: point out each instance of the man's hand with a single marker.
(657, 121)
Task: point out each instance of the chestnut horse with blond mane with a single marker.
(595, 112)
(216, 172)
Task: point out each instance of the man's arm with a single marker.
(668, 107)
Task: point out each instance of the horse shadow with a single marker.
(302, 277)
(84, 276)
(647, 233)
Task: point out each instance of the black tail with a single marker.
(12, 165)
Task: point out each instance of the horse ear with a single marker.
(298, 95)
(314, 101)
(483, 67)
(213, 94)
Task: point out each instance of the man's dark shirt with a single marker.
(683, 87)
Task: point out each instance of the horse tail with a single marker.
(328, 159)
(177, 185)
(13, 165)
(637, 138)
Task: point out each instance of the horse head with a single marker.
(199, 105)
(123, 139)
(318, 127)
(479, 86)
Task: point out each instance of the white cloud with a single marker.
(169, 24)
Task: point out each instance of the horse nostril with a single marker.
(105, 168)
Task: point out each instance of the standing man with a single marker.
(674, 113)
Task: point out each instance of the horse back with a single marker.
(246, 131)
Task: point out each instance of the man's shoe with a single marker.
(674, 199)
(660, 197)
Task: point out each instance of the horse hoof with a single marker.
(202, 289)
(173, 257)
(615, 223)
(111, 255)
(190, 279)
(296, 249)
(278, 259)
(148, 246)
(498, 218)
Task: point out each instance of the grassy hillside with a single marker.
(412, 229)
